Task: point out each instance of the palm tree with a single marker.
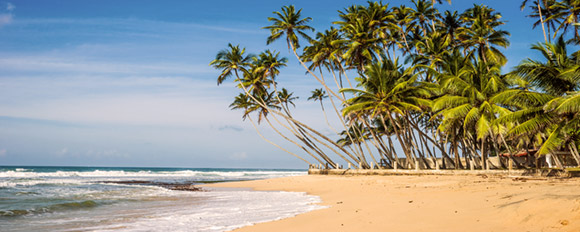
(363, 30)
(482, 35)
(290, 23)
(243, 102)
(554, 111)
(232, 59)
(527, 125)
(402, 26)
(541, 9)
(323, 52)
(450, 25)
(565, 131)
(567, 11)
(286, 98)
(356, 134)
(255, 85)
(389, 92)
(432, 49)
(423, 14)
(440, 1)
(269, 63)
(558, 74)
(361, 47)
(318, 95)
(467, 101)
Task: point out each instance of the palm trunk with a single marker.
(473, 150)
(405, 40)
(303, 125)
(574, 152)
(425, 143)
(483, 154)
(388, 152)
(375, 141)
(396, 157)
(343, 71)
(401, 141)
(420, 151)
(443, 152)
(339, 115)
(312, 73)
(276, 145)
(326, 117)
(361, 140)
(330, 92)
(292, 141)
(542, 21)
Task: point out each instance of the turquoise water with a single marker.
(133, 199)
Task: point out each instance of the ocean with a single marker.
(139, 199)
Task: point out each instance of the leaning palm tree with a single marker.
(243, 102)
(286, 98)
(231, 61)
(319, 95)
(269, 63)
(291, 24)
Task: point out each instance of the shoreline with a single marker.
(429, 202)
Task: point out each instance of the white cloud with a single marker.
(3, 152)
(5, 19)
(174, 101)
(78, 65)
(152, 25)
(10, 6)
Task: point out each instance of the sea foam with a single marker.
(223, 211)
(103, 199)
(23, 173)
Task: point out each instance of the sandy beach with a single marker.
(427, 203)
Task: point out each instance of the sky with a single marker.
(127, 83)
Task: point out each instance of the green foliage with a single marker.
(450, 90)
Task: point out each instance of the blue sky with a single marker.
(127, 83)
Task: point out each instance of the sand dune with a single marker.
(428, 203)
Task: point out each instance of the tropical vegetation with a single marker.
(413, 87)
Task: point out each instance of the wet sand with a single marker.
(427, 203)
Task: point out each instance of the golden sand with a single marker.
(427, 203)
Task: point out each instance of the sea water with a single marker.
(132, 199)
